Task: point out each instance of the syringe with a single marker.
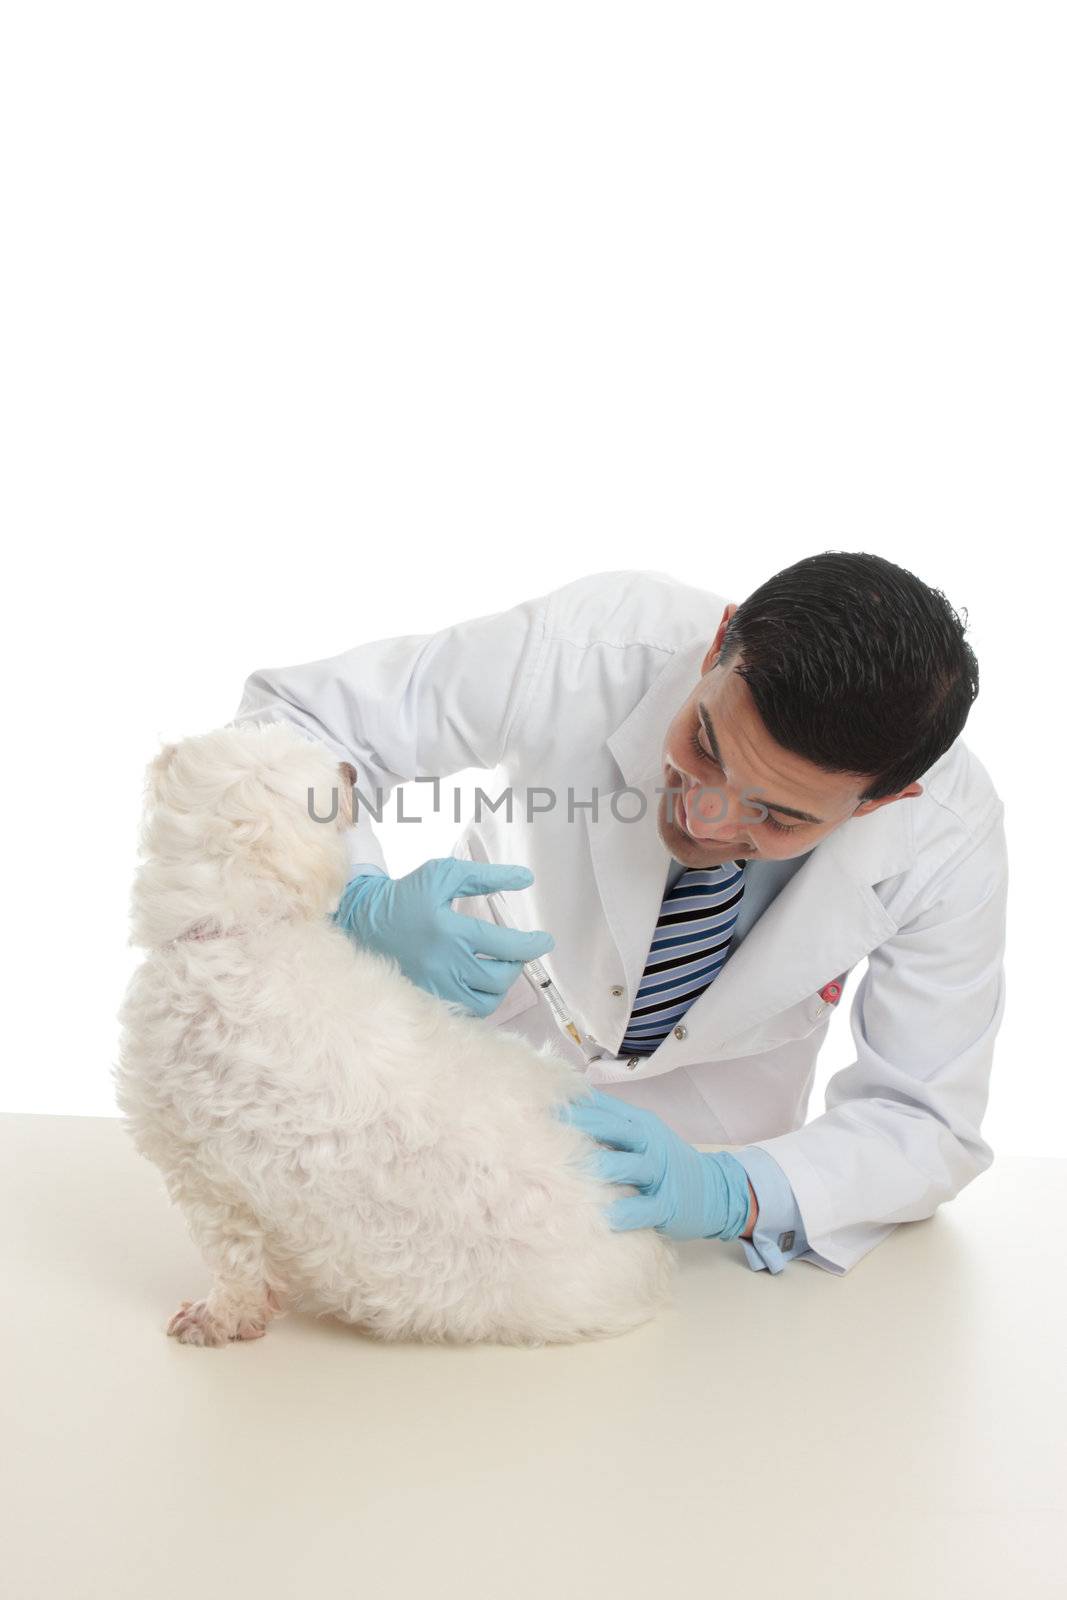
(539, 980)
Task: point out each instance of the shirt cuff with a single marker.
(779, 1232)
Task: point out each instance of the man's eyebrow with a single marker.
(771, 805)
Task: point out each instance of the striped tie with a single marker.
(688, 951)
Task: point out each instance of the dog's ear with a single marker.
(346, 806)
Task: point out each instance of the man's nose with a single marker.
(710, 814)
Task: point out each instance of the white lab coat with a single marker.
(573, 691)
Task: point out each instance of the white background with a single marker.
(327, 323)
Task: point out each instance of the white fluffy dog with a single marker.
(338, 1140)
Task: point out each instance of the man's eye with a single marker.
(779, 827)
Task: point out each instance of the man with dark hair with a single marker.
(714, 836)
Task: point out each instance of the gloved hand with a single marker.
(412, 919)
(685, 1193)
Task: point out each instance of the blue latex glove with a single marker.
(684, 1193)
(412, 919)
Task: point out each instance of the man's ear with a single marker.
(716, 644)
(909, 793)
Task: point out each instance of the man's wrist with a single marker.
(753, 1213)
(729, 1204)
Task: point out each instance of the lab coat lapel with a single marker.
(630, 861)
(630, 864)
(823, 922)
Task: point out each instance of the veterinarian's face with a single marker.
(718, 743)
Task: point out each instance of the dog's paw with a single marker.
(194, 1323)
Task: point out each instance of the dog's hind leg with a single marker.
(242, 1300)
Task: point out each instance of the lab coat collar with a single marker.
(825, 920)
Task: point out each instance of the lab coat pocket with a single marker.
(818, 1008)
(796, 1022)
(813, 1010)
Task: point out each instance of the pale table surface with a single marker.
(896, 1432)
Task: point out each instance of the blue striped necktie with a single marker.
(688, 951)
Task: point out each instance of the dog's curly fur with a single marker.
(338, 1140)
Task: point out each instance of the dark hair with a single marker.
(856, 665)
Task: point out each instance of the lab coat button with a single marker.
(617, 991)
(680, 1032)
(634, 1061)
